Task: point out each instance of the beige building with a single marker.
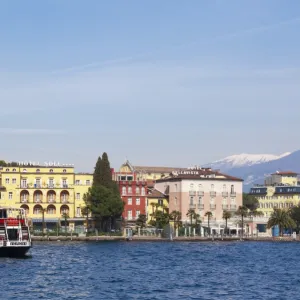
(203, 190)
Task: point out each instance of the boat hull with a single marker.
(14, 251)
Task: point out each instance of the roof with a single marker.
(285, 173)
(201, 174)
(156, 194)
(149, 169)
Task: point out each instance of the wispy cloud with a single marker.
(201, 42)
(31, 131)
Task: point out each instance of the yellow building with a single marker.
(44, 190)
(156, 201)
(281, 190)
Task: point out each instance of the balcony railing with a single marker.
(192, 206)
(51, 186)
(64, 186)
(232, 194)
(224, 194)
(200, 193)
(224, 206)
(200, 206)
(192, 193)
(213, 194)
(213, 206)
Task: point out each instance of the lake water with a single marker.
(154, 270)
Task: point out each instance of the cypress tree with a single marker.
(106, 177)
(97, 173)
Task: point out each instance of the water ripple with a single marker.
(146, 271)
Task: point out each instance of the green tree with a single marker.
(208, 214)
(3, 163)
(242, 211)
(65, 216)
(250, 201)
(191, 214)
(282, 218)
(106, 176)
(175, 216)
(226, 217)
(160, 219)
(97, 173)
(141, 221)
(295, 215)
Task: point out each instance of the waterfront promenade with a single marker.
(160, 239)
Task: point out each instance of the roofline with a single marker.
(198, 178)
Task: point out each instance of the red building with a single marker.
(133, 193)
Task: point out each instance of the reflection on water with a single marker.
(145, 270)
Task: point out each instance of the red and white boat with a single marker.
(15, 239)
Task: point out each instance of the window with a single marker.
(51, 171)
(38, 182)
(191, 187)
(232, 189)
(123, 190)
(88, 182)
(7, 180)
(38, 170)
(200, 187)
(7, 170)
(64, 183)
(137, 190)
(160, 202)
(129, 190)
(212, 187)
(191, 200)
(129, 214)
(77, 196)
(137, 201)
(224, 187)
(143, 191)
(24, 170)
(37, 210)
(78, 211)
(10, 195)
(129, 201)
(51, 182)
(200, 200)
(24, 183)
(176, 201)
(64, 170)
(14, 170)
(137, 214)
(77, 182)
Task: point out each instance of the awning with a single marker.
(46, 220)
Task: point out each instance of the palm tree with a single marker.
(242, 212)
(43, 219)
(191, 213)
(282, 218)
(197, 220)
(65, 217)
(226, 217)
(176, 217)
(208, 214)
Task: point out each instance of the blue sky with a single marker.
(171, 83)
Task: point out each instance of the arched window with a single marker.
(51, 171)
(38, 170)
(14, 170)
(137, 190)
(24, 170)
(7, 170)
(64, 170)
(143, 191)
(129, 190)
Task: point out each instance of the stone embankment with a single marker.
(159, 239)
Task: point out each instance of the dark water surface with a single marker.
(145, 270)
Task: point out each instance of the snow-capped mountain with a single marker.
(243, 160)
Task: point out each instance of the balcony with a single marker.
(65, 186)
(192, 193)
(200, 193)
(50, 186)
(224, 194)
(232, 207)
(232, 194)
(213, 206)
(224, 206)
(213, 194)
(192, 206)
(201, 206)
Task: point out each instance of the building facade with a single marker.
(44, 191)
(202, 190)
(280, 190)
